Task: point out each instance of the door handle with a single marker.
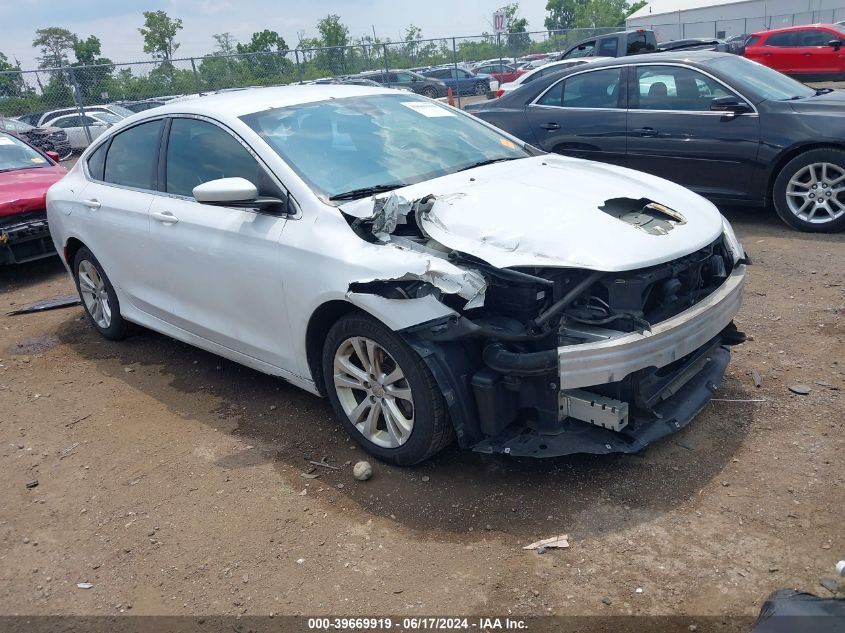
(93, 203)
(165, 217)
(646, 131)
(807, 54)
(550, 126)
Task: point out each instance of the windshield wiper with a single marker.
(823, 91)
(489, 161)
(366, 191)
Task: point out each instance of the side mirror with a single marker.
(53, 156)
(835, 43)
(729, 105)
(236, 192)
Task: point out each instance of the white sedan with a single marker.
(433, 276)
(74, 126)
(545, 69)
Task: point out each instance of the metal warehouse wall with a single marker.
(738, 18)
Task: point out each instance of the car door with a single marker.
(221, 266)
(583, 115)
(673, 133)
(812, 54)
(405, 80)
(113, 208)
(777, 51)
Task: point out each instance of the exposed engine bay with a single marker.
(501, 357)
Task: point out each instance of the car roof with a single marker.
(788, 29)
(252, 100)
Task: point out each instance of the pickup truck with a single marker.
(619, 44)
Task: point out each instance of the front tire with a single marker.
(809, 192)
(383, 393)
(98, 296)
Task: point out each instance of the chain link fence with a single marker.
(672, 27)
(85, 100)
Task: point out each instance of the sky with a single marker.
(116, 22)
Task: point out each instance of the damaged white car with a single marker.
(433, 276)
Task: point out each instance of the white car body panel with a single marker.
(244, 285)
(475, 212)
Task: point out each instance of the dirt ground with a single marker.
(170, 479)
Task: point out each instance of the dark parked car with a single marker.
(461, 81)
(49, 139)
(619, 44)
(729, 129)
(408, 79)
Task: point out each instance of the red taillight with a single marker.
(500, 92)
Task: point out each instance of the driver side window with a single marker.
(199, 151)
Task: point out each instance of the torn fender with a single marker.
(399, 314)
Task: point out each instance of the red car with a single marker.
(25, 175)
(503, 73)
(815, 52)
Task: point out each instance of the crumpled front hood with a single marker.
(544, 211)
(23, 190)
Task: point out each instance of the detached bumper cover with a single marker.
(609, 360)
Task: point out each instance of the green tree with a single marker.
(11, 80)
(266, 60)
(226, 43)
(518, 38)
(55, 43)
(159, 33)
(265, 41)
(91, 71)
(333, 32)
(562, 13)
(600, 13)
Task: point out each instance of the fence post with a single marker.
(455, 64)
(196, 75)
(77, 98)
(499, 46)
(386, 66)
(298, 64)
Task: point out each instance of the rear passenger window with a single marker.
(596, 89)
(97, 162)
(608, 47)
(133, 156)
(199, 151)
(781, 39)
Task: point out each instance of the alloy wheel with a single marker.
(816, 193)
(373, 392)
(94, 294)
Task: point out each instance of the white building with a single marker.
(678, 19)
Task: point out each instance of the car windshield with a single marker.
(120, 110)
(106, 117)
(354, 145)
(15, 154)
(768, 83)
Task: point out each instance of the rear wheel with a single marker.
(809, 192)
(429, 92)
(480, 88)
(98, 295)
(383, 393)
